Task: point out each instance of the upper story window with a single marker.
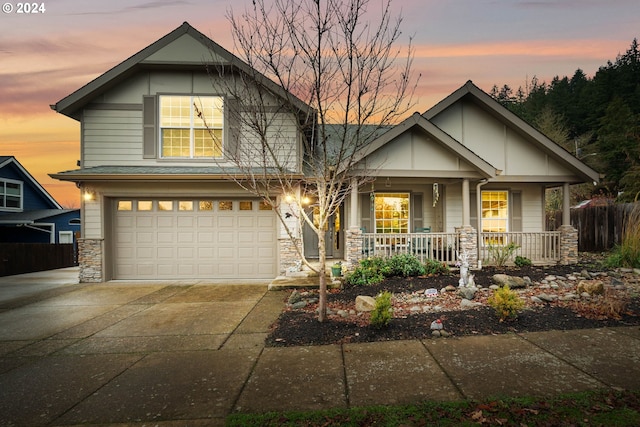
(191, 126)
(10, 195)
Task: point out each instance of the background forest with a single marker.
(595, 119)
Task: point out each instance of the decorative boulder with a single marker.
(512, 281)
(365, 303)
(592, 287)
(467, 293)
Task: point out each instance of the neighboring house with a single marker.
(28, 214)
(159, 203)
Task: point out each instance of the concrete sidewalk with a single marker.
(190, 354)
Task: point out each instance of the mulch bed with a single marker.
(301, 327)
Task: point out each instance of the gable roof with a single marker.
(418, 121)
(145, 59)
(5, 161)
(493, 107)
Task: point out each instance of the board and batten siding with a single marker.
(496, 142)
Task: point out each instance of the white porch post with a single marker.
(466, 206)
(566, 212)
(353, 240)
(353, 212)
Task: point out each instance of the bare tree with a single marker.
(329, 69)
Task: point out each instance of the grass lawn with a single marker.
(604, 408)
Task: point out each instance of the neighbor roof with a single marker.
(6, 160)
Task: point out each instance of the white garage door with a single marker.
(193, 239)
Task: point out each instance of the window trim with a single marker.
(3, 195)
(191, 127)
(507, 219)
(398, 194)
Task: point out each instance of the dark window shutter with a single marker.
(232, 144)
(366, 214)
(418, 217)
(516, 211)
(149, 127)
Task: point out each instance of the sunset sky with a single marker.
(48, 55)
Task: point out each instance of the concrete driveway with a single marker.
(122, 352)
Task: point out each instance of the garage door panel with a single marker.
(226, 237)
(185, 237)
(142, 238)
(165, 253)
(144, 222)
(265, 236)
(166, 222)
(225, 221)
(165, 237)
(211, 240)
(124, 237)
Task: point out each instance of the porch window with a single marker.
(495, 211)
(191, 126)
(392, 212)
(10, 195)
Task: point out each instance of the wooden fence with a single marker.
(18, 258)
(599, 228)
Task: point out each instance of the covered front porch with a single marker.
(366, 234)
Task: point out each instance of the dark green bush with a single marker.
(522, 261)
(368, 272)
(404, 265)
(432, 266)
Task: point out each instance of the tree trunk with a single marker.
(322, 297)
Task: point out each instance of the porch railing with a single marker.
(438, 246)
(540, 247)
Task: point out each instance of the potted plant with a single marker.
(336, 269)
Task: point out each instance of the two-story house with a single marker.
(159, 203)
(28, 213)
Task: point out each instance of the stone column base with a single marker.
(352, 247)
(290, 260)
(568, 245)
(90, 253)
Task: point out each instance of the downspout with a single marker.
(478, 218)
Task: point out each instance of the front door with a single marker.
(332, 236)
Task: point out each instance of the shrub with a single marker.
(522, 261)
(506, 303)
(368, 272)
(500, 254)
(627, 254)
(382, 312)
(405, 265)
(432, 266)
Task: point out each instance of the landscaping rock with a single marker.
(365, 303)
(465, 303)
(592, 287)
(467, 293)
(512, 281)
(298, 305)
(547, 297)
(436, 325)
